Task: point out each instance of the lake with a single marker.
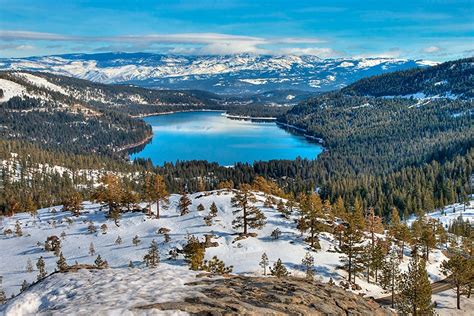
(209, 135)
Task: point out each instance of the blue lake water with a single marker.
(206, 135)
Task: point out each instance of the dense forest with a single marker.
(452, 78)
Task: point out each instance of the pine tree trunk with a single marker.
(393, 289)
(350, 268)
(158, 209)
(245, 218)
(458, 297)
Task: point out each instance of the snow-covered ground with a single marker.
(446, 304)
(244, 255)
(112, 292)
(450, 213)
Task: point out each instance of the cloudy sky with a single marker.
(429, 29)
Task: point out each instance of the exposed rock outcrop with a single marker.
(241, 295)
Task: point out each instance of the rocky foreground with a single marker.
(241, 295)
(174, 290)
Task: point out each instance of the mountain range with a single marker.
(228, 74)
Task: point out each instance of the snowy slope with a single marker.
(451, 212)
(221, 74)
(244, 254)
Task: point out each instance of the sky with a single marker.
(427, 29)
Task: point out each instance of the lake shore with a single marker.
(301, 130)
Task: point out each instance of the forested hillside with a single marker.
(449, 79)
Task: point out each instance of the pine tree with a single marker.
(29, 266)
(264, 263)
(276, 233)
(216, 266)
(279, 270)
(290, 203)
(308, 263)
(136, 240)
(460, 273)
(283, 209)
(213, 210)
(41, 268)
(152, 258)
(101, 264)
(118, 241)
(110, 193)
(377, 258)
(73, 203)
(62, 264)
(91, 228)
(351, 247)
(415, 292)
(200, 208)
(24, 286)
(131, 265)
(184, 203)
(194, 253)
(312, 207)
(91, 249)
(18, 230)
(130, 198)
(249, 215)
(391, 274)
(155, 191)
(103, 228)
(30, 206)
(358, 214)
(339, 208)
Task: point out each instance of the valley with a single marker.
(172, 185)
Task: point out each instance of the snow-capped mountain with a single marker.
(228, 74)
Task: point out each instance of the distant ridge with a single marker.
(226, 74)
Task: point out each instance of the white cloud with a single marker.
(431, 49)
(203, 43)
(323, 52)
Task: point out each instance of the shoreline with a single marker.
(173, 112)
(303, 131)
(135, 145)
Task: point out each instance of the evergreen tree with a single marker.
(249, 215)
(308, 263)
(312, 207)
(24, 286)
(216, 266)
(358, 214)
(18, 230)
(155, 191)
(339, 208)
(283, 209)
(41, 268)
(460, 273)
(62, 264)
(184, 203)
(136, 240)
(264, 263)
(91, 228)
(351, 248)
(279, 270)
(101, 264)
(110, 193)
(118, 241)
(213, 210)
(194, 253)
(103, 228)
(391, 274)
(152, 258)
(200, 208)
(415, 292)
(377, 257)
(73, 203)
